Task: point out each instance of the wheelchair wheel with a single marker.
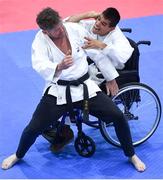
(85, 146)
(141, 107)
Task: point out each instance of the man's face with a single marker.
(55, 33)
(102, 26)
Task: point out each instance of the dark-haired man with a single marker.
(58, 57)
(106, 36)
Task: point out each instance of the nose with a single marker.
(97, 23)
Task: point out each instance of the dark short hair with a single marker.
(112, 15)
(48, 18)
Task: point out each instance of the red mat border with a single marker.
(18, 15)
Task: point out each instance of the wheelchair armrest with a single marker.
(127, 76)
(127, 72)
(121, 73)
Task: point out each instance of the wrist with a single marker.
(103, 45)
(59, 68)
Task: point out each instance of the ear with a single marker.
(112, 28)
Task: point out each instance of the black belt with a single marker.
(69, 99)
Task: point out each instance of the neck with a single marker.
(60, 38)
(62, 43)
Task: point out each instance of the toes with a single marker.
(4, 166)
(9, 162)
(137, 163)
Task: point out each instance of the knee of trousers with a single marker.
(114, 117)
(118, 117)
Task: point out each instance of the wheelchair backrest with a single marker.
(133, 62)
(130, 73)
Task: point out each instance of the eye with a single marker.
(104, 23)
(98, 18)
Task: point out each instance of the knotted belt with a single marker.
(69, 99)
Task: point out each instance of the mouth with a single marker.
(96, 28)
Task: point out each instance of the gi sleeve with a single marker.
(41, 60)
(105, 66)
(118, 49)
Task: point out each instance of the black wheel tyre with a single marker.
(85, 146)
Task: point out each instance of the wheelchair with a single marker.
(139, 103)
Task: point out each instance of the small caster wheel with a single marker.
(85, 146)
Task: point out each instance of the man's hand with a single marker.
(112, 87)
(93, 43)
(66, 63)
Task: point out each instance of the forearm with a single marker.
(85, 15)
(117, 55)
(103, 63)
(46, 70)
(58, 71)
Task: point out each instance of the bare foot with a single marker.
(137, 163)
(9, 162)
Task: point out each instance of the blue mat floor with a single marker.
(21, 89)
